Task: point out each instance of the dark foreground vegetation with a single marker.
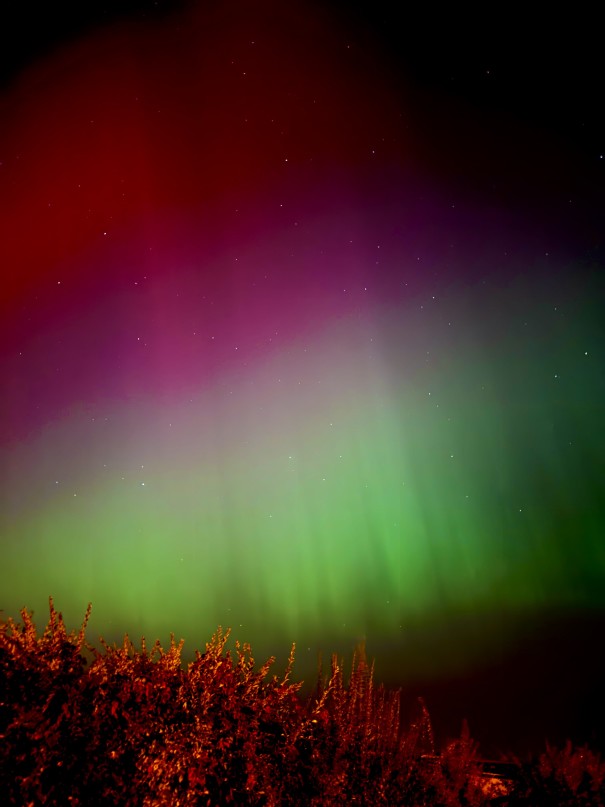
(127, 726)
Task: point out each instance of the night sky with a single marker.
(302, 333)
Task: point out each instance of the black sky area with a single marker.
(545, 68)
(508, 102)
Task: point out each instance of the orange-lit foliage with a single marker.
(568, 777)
(132, 727)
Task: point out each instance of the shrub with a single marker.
(567, 777)
(132, 727)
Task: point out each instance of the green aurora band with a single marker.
(381, 475)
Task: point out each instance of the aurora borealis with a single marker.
(271, 359)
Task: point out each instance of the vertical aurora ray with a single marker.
(259, 371)
(346, 476)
